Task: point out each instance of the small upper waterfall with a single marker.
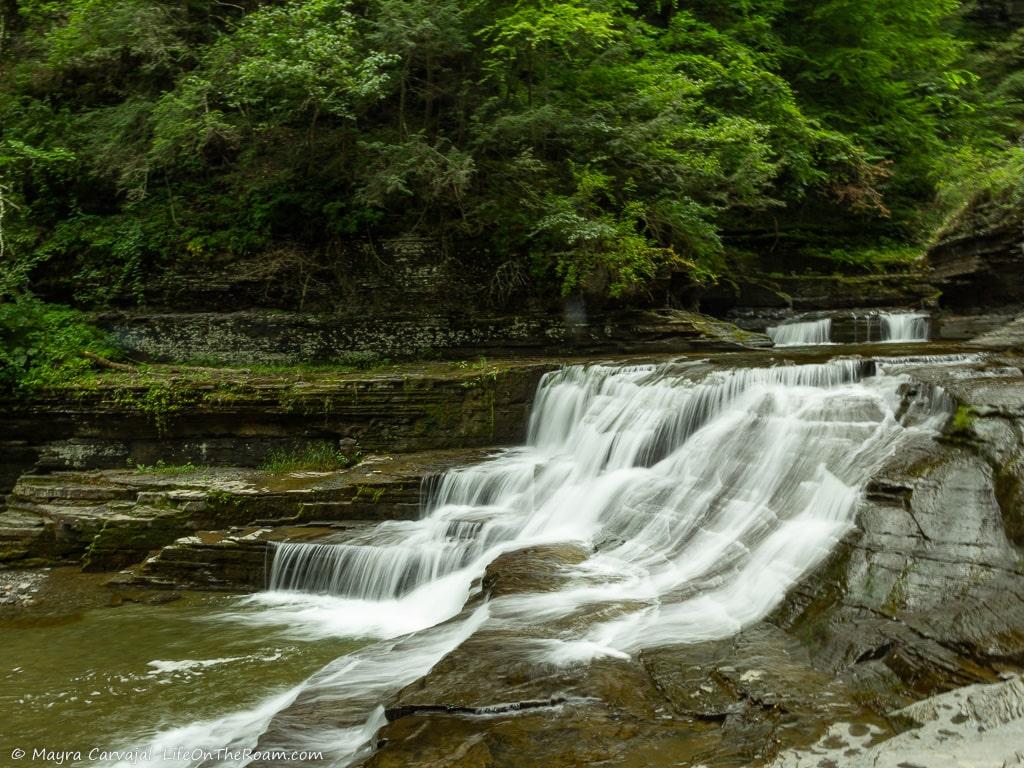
(857, 327)
(905, 326)
(799, 334)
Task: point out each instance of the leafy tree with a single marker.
(593, 144)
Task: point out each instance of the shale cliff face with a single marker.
(259, 335)
(397, 299)
(106, 473)
(979, 261)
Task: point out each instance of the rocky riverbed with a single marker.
(18, 588)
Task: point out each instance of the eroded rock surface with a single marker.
(1009, 335)
(978, 726)
(978, 261)
(238, 418)
(112, 518)
(256, 335)
(731, 702)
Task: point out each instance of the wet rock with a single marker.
(972, 727)
(238, 560)
(734, 702)
(928, 593)
(964, 327)
(535, 569)
(18, 588)
(495, 699)
(233, 561)
(1009, 335)
(114, 518)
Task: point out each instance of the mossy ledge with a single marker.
(240, 417)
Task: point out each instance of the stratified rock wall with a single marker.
(237, 418)
(979, 262)
(268, 336)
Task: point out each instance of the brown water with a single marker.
(112, 675)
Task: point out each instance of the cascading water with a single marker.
(801, 334)
(701, 496)
(905, 326)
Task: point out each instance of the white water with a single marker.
(701, 497)
(801, 334)
(905, 326)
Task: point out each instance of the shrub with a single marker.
(314, 457)
(42, 345)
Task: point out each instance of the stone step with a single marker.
(236, 560)
(67, 488)
(358, 509)
(108, 519)
(18, 531)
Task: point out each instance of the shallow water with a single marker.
(94, 679)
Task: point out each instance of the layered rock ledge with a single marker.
(108, 519)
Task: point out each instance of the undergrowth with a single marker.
(313, 457)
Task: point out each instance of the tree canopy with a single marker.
(590, 145)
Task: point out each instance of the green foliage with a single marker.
(162, 468)
(976, 177)
(962, 424)
(586, 145)
(595, 249)
(357, 360)
(159, 400)
(41, 345)
(312, 457)
(882, 258)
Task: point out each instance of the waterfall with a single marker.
(608, 443)
(865, 321)
(800, 334)
(695, 474)
(905, 326)
(698, 497)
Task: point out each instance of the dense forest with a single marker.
(566, 145)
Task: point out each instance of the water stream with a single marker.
(81, 681)
(904, 326)
(700, 496)
(801, 334)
